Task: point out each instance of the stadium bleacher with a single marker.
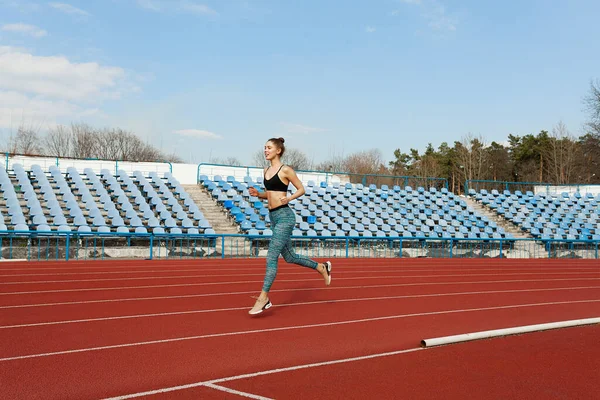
(57, 202)
(356, 210)
(546, 216)
(84, 201)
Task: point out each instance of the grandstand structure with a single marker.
(47, 201)
(211, 212)
(356, 210)
(546, 216)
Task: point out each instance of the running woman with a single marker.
(277, 177)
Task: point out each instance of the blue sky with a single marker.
(215, 79)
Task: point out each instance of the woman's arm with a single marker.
(254, 192)
(289, 173)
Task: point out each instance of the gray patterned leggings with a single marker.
(283, 221)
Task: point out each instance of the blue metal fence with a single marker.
(93, 246)
(479, 184)
(366, 179)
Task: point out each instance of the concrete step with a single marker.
(214, 213)
(508, 226)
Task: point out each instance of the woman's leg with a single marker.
(289, 221)
(291, 257)
(282, 225)
(276, 244)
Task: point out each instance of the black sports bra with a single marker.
(275, 184)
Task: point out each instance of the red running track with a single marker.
(113, 328)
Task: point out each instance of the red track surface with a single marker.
(99, 329)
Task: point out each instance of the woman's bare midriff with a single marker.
(274, 198)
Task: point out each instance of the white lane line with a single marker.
(212, 383)
(286, 273)
(251, 263)
(214, 265)
(345, 300)
(292, 327)
(290, 268)
(239, 393)
(391, 285)
(112, 272)
(139, 287)
(280, 280)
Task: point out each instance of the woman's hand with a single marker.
(284, 200)
(253, 192)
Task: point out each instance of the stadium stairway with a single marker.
(508, 226)
(211, 210)
(217, 219)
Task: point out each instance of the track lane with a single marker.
(113, 372)
(60, 292)
(230, 314)
(131, 369)
(183, 303)
(557, 364)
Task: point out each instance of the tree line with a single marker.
(85, 142)
(556, 156)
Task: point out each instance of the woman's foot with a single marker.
(260, 306)
(325, 270)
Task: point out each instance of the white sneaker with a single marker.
(328, 269)
(260, 307)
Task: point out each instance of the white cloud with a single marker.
(18, 107)
(181, 6)
(370, 29)
(434, 12)
(152, 5)
(439, 19)
(69, 9)
(57, 77)
(197, 133)
(195, 8)
(11, 49)
(25, 29)
(49, 88)
(22, 6)
(300, 129)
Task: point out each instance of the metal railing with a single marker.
(94, 246)
(535, 187)
(240, 172)
(94, 163)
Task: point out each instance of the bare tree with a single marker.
(470, 152)
(174, 158)
(429, 166)
(292, 157)
(108, 145)
(58, 142)
(258, 159)
(26, 141)
(226, 161)
(296, 159)
(84, 141)
(131, 147)
(145, 152)
(592, 106)
(364, 162)
(334, 163)
(560, 155)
